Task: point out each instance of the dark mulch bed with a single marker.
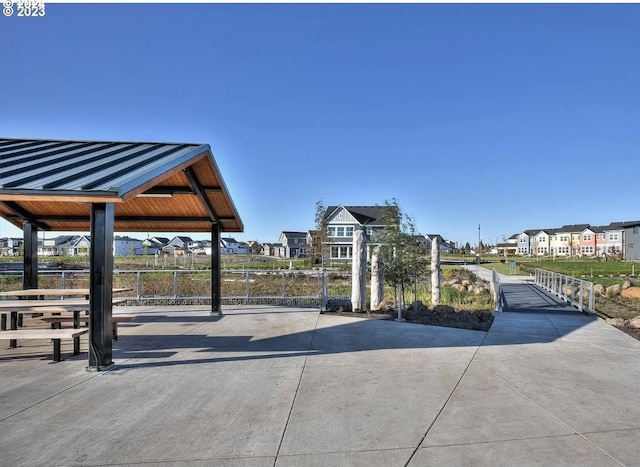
(441, 315)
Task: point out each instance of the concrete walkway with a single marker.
(272, 386)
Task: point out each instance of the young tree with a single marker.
(400, 250)
(319, 236)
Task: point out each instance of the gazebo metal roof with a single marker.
(160, 187)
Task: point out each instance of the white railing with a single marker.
(576, 292)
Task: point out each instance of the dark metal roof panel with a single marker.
(87, 166)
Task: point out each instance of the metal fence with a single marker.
(187, 286)
(577, 292)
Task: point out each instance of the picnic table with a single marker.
(16, 308)
(55, 292)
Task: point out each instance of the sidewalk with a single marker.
(273, 386)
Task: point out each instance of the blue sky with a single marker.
(511, 116)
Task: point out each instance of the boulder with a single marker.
(634, 323)
(599, 290)
(618, 322)
(466, 283)
(626, 284)
(614, 290)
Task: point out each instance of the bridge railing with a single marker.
(577, 292)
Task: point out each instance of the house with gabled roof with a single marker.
(526, 241)
(230, 246)
(294, 244)
(127, 246)
(179, 245)
(154, 245)
(342, 221)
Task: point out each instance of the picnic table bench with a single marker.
(56, 335)
(115, 319)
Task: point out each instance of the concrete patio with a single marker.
(277, 386)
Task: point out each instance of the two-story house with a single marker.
(177, 246)
(293, 244)
(230, 246)
(342, 221)
(632, 241)
(127, 246)
(614, 238)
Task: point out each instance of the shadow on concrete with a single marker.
(355, 335)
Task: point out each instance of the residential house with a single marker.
(632, 241)
(588, 241)
(526, 242)
(11, 246)
(230, 246)
(542, 242)
(154, 245)
(200, 247)
(614, 239)
(127, 246)
(293, 244)
(271, 249)
(342, 221)
(177, 246)
(72, 245)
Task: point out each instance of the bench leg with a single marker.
(14, 325)
(114, 327)
(56, 350)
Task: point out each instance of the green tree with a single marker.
(319, 236)
(400, 248)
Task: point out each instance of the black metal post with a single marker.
(30, 276)
(215, 269)
(101, 286)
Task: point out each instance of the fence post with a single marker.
(246, 284)
(139, 284)
(325, 290)
(63, 281)
(175, 284)
(283, 285)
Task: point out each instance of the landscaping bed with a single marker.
(441, 315)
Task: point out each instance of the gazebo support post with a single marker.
(101, 286)
(30, 277)
(215, 269)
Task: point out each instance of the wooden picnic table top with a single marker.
(43, 306)
(54, 292)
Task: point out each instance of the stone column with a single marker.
(358, 272)
(377, 281)
(435, 272)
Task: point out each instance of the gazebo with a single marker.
(102, 187)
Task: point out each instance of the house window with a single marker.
(543, 239)
(341, 252)
(349, 231)
(613, 236)
(636, 230)
(587, 238)
(331, 232)
(340, 231)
